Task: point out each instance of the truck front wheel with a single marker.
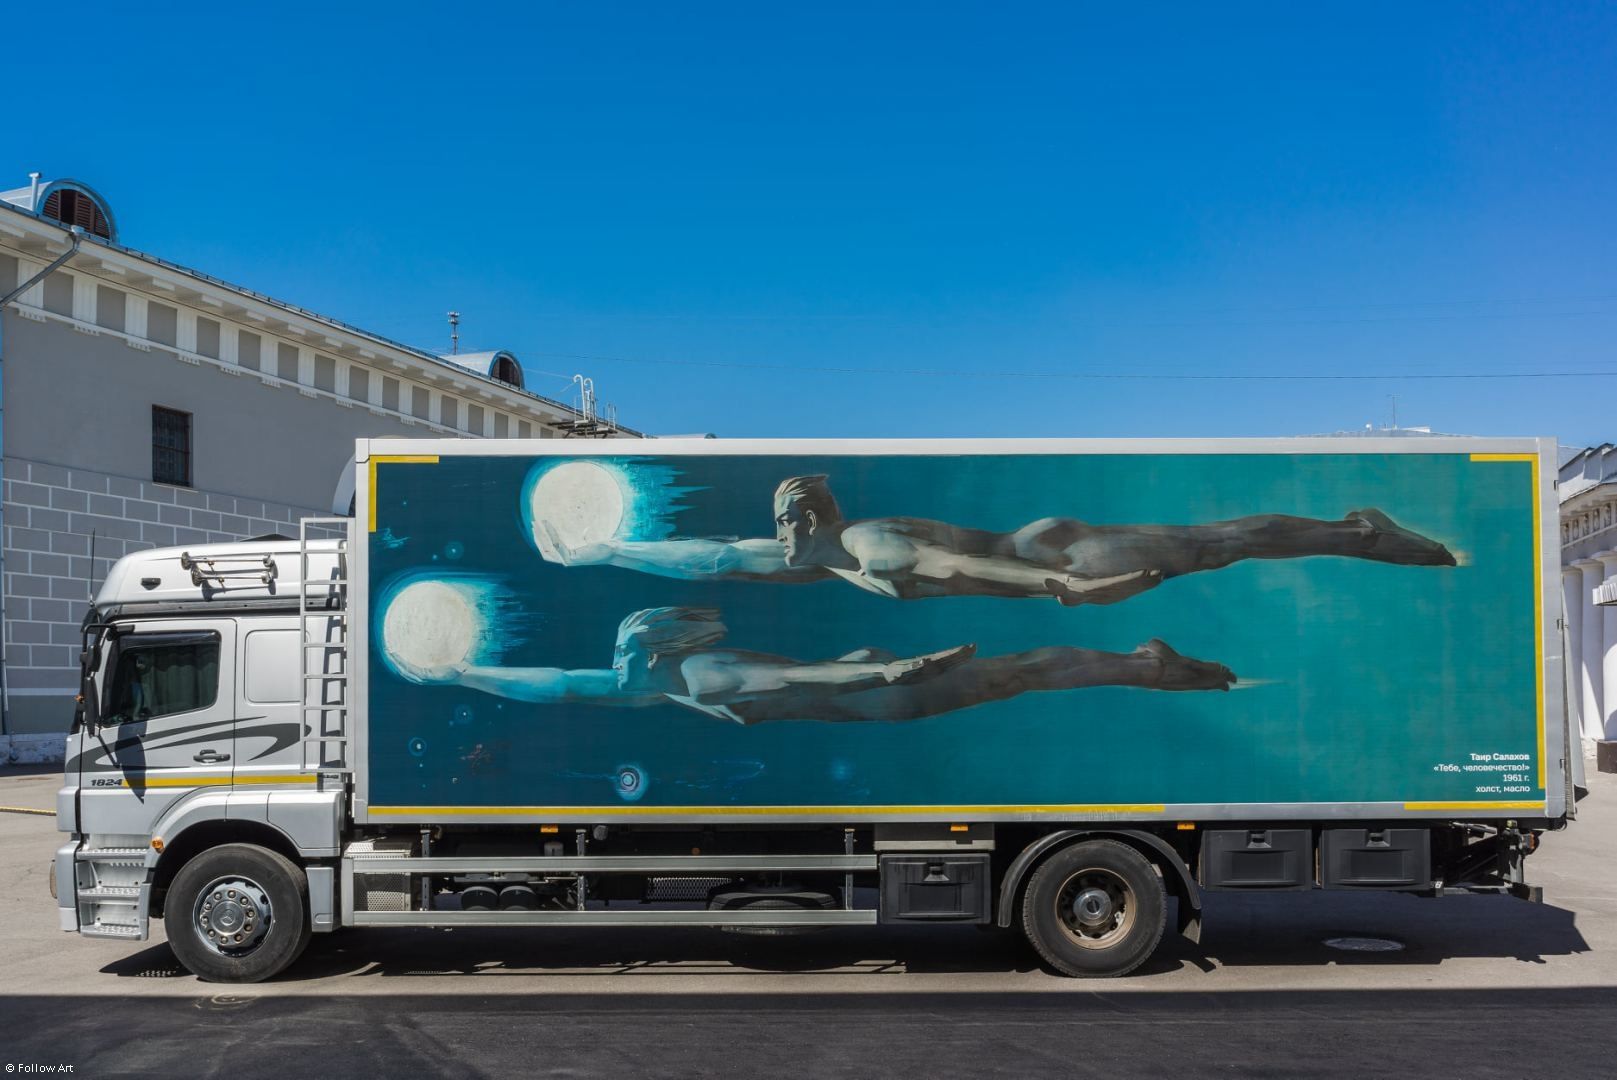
(1096, 908)
(237, 913)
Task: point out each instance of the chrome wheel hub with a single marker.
(232, 916)
(1096, 908)
(1093, 907)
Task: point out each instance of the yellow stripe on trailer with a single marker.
(553, 812)
(1506, 805)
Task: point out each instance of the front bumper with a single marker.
(64, 886)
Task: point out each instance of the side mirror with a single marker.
(89, 705)
(88, 712)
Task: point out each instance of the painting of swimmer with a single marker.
(538, 626)
(910, 558)
(674, 655)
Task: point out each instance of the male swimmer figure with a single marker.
(669, 655)
(1077, 563)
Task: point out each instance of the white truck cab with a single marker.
(194, 733)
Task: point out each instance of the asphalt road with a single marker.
(1483, 987)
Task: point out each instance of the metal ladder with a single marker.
(323, 656)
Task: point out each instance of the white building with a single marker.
(146, 404)
(1588, 494)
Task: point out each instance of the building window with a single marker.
(507, 371)
(76, 208)
(208, 338)
(109, 308)
(162, 322)
(247, 349)
(325, 374)
(59, 294)
(171, 446)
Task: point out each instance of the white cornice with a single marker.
(31, 238)
(1591, 498)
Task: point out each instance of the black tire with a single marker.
(268, 905)
(1123, 897)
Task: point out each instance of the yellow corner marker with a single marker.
(389, 459)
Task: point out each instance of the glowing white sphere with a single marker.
(429, 627)
(576, 503)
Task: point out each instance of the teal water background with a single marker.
(1365, 675)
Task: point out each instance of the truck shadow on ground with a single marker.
(1239, 931)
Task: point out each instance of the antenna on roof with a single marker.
(454, 332)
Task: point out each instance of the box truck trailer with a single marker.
(1063, 686)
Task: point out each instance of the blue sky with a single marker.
(891, 219)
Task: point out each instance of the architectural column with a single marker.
(135, 316)
(1572, 612)
(1592, 653)
(185, 331)
(1608, 666)
(34, 295)
(84, 298)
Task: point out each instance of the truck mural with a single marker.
(567, 630)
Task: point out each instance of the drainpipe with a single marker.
(77, 232)
(76, 235)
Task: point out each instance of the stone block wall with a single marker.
(54, 517)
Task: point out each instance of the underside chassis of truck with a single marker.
(1093, 900)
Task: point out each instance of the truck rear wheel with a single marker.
(1096, 908)
(238, 913)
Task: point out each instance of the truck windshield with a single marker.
(162, 674)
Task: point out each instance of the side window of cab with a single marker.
(157, 675)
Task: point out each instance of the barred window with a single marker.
(171, 446)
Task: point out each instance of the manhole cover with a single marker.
(219, 1002)
(1364, 944)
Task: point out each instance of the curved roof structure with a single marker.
(68, 201)
(497, 364)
